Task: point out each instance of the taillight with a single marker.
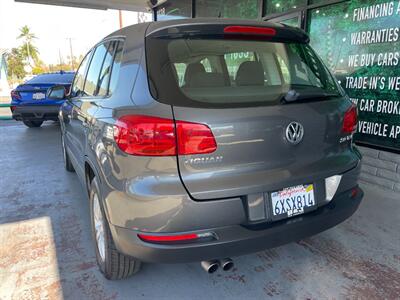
(145, 135)
(12, 108)
(16, 95)
(253, 30)
(154, 136)
(354, 192)
(350, 120)
(194, 138)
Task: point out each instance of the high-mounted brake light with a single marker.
(154, 136)
(253, 30)
(350, 120)
(188, 237)
(16, 95)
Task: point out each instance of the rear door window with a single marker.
(105, 73)
(94, 70)
(79, 80)
(116, 67)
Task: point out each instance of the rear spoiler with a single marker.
(252, 31)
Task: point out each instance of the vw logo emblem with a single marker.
(294, 133)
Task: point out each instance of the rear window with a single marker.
(222, 72)
(65, 78)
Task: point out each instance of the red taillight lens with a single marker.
(176, 238)
(194, 138)
(350, 120)
(153, 136)
(15, 95)
(168, 238)
(354, 192)
(145, 135)
(250, 30)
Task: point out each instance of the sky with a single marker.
(54, 25)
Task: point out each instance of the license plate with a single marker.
(292, 201)
(38, 96)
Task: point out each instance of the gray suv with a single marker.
(203, 139)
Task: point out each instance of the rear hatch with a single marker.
(255, 88)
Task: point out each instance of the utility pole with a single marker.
(29, 53)
(71, 53)
(60, 58)
(120, 19)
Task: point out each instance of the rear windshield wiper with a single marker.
(293, 96)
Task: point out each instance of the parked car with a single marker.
(183, 162)
(30, 102)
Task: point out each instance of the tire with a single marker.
(67, 162)
(113, 264)
(32, 124)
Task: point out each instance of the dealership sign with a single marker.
(362, 47)
(375, 84)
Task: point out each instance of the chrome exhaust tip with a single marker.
(227, 264)
(210, 266)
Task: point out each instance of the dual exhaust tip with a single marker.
(211, 266)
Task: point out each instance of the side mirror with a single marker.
(57, 92)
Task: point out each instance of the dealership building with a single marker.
(359, 40)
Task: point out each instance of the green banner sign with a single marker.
(360, 42)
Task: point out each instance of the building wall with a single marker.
(4, 86)
(380, 168)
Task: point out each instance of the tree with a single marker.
(15, 65)
(28, 50)
(40, 67)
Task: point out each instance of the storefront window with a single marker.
(175, 9)
(291, 22)
(244, 9)
(279, 6)
(317, 1)
(360, 41)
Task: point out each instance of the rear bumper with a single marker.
(36, 112)
(238, 240)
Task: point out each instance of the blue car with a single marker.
(30, 101)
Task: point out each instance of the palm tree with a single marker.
(28, 50)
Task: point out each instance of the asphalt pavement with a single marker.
(46, 248)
